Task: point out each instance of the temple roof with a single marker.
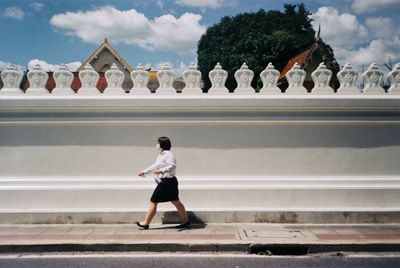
(304, 57)
(117, 58)
(300, 59)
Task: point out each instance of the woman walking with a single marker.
(167, 189)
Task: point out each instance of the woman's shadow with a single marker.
(172, 217)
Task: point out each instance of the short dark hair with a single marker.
(165, 143)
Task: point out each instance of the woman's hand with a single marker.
(141, 174)
(157, 171)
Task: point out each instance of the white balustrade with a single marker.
(218, 78)
(89, 78)
(140, 78)
(11, 79)
(347, 78)
(373, 80)
(322, 77)
(166, 78)
(394, 78)
(244, 76)
(296, 77)
(37, 81)
(192, 78)
(63, 78)
(270, 77)
(115, 77)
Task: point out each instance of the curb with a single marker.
(304, 249)
(115, 247)
(244, 248)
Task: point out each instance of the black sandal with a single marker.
(184, 225)
(143, 226)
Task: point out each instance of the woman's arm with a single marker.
(149, 169)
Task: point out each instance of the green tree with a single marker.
(257, 39)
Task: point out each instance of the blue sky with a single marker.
(153, 32)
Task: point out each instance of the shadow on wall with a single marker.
(205, 136)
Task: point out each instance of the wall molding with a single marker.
(200, 110)
(200, 183)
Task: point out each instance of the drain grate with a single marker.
(279, 250)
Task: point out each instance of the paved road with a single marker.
(197, 260)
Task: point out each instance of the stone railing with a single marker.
(372, 80)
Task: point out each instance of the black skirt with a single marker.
(166, 190)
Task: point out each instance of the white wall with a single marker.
(340, 153)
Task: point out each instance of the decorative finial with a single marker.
(11, 67)
(296, 66)
(37, 67)
(192, 67)
(63, 67)
(88, 67)
(140, 67)
(270, 66)
(319, 32)
(114, 66)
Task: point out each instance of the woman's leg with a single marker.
(181, 210)
(150, 213)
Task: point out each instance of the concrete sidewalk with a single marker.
(279, 239)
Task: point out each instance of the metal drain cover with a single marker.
(274, 234)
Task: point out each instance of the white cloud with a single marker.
(178, 35)
(14, 12)
(73, 66)
(353, 42)
(166, 32)
(37, 6)
(381, 27)
(379, 51)
(339, 30)
(361, 6)
(3, 65)
(206, 3)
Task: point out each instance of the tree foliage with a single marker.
(257, 39)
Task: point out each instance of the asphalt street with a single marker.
(183, 260)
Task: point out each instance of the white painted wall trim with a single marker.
(200, 183)
(106, 103)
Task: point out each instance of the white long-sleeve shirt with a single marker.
(166, 163)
